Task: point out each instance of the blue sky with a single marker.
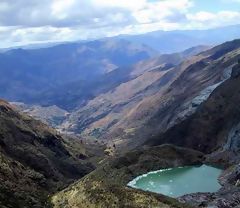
(213, 5)
(33, 21)
(216, 5)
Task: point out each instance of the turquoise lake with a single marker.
(175, 182)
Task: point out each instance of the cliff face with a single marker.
(34, 160)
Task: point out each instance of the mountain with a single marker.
(214, 125)
(158, 98)
(213, 128)
(27, 72)
(35, 160)
(179, 40)
(77, 94)
(172, 110)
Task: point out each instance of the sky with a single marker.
(25, 22)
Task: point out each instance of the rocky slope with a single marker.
(51, 115)
(34, 160)
(106, 186)
(216, 121)
(213, 129)
(158, 98)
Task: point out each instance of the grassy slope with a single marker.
(106, 186)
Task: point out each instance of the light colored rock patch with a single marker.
(233, 141)
(51, 115)
(190, 107)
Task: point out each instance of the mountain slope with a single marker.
(215, 124)
(26, 72)
(213, 128)
(34, 160)
(78, 93)
(51, 115)
(183, 96)
(107, 186)
(156, 99)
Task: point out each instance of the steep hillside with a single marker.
(186, 93)
(78, 93)
(215, 124)
(156, 99)
(213, 129)
(107, 186)
(34, 160)
(26, 72)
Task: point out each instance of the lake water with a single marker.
(175, 182)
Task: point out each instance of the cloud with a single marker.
(29, 21)
(221, 18)
(62, 13)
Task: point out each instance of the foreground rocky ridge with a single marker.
(34, 160)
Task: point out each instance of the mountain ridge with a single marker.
(168, 93)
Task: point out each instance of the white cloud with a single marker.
(201, 16)
(204, 19)
(29, 21)
(62, 13)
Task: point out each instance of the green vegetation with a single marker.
(106, 186)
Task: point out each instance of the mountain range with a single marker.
(156, 99)
(212, 130)
(83, 119)
(30, 71)
(85, 64)
(179, 40)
